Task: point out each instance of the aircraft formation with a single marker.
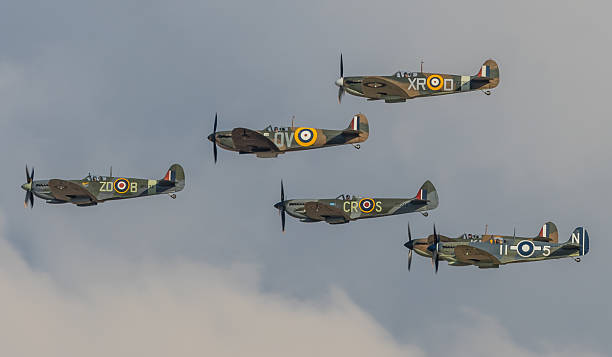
(482, 251)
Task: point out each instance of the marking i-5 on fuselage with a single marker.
(491, 251)
(272, 141)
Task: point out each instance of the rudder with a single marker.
(359, 122)
(489, 69)
(428, 193)
(580, 237)
(176, 175)
(548, 233)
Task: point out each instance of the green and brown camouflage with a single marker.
(491, 251)
(407, 85)
(346, 208)
(272, 141)
(92, 190)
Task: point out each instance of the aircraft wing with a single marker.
(382, 88)
(247, 140)
(472, 255)
(71, 192)
(322, 212)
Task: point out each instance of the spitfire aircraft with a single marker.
(346, 208)
(407, 85)
(491, 251)
(92, 190)
(272, 141)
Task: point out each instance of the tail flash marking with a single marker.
(170, 176)
(485, 71)
(422, 195)
(544, 231)
(355, 123)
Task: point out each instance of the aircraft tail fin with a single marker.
(358, 124)
(175, 175)
(489, 72)
(548, 233)
(579, 240)
(428, 195)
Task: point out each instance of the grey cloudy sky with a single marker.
(136, 84)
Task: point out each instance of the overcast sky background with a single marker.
(136, 84)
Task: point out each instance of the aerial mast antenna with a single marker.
(111, 171)
(292, 119)
(422, 66)
(486, 229)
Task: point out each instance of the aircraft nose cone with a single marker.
(340, 82)
(211, 137)
(24, 187)
(278, 205)
(409, 244)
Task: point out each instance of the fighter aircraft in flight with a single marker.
(491, 251)
(272, 141)
(346, 208)
(407, 85)
(92, 190)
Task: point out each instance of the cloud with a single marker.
(193, 308)
(177, 309)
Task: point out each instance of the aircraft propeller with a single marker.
(410, 245)
(340, 81)
(281, 206)
(213, 137)
(433, 248)
(29, 197)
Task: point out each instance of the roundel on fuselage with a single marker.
(121, 185)
(366, 205)
(305, 136)
(434, 82)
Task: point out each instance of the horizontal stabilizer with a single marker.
(482, 79)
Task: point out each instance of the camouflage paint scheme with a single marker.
(346, 208)
(491, 251)
(407, 85)
(92, 190)
(272, 141)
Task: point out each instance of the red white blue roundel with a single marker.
(122, 185)
(305, 136)
(366, 205)
(525, 248)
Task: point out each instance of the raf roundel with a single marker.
(525, 248)
(305, 136)
(434, 82)
(366, 205)
(121, 185)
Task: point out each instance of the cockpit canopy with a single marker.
(276, 128)
(348, 197)
(94, 178)
(400, 74)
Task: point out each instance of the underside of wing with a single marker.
(323, 212)
(250, 141)
(382, 88)
(472, 255)
(71, 192)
